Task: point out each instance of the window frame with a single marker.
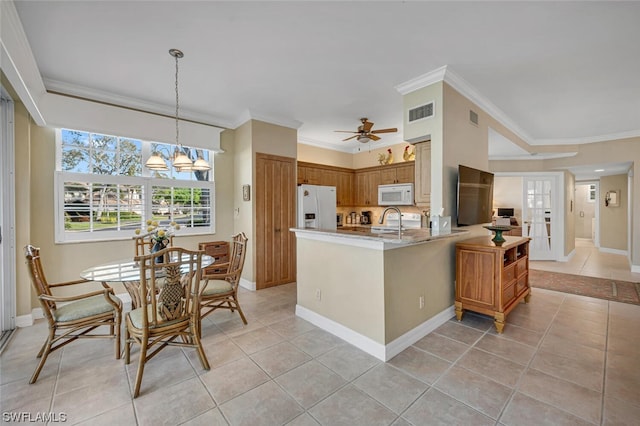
(147, 182)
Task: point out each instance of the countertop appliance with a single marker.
(365, 218)
(317, 207)
(397, 194)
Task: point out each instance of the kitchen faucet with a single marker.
(399, 218)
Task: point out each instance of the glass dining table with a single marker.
(127, 271)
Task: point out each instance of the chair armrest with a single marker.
(74, 298)
(74, 282)
(218, 276)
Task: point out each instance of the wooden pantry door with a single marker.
(275, 214)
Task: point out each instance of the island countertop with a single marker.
(364, 237)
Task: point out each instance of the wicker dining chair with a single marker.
(72, 317)
(220, 290)
(143, 245)
(168, 312)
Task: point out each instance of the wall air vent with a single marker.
(473, 117)
(420, 112)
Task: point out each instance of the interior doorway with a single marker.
(586, 211)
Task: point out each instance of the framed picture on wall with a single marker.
(612, 198)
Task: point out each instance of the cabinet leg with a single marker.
(459, 311)
(499, 322)
(527, 297)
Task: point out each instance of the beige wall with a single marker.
(244, 213)
(22, 129)
(507, 192)
(431, 128)
(329, 157)
(464, 143)
(613, 220)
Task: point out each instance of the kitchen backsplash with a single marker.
(376, 211)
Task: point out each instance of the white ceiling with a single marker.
(558, 72)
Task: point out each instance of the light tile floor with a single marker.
(562, 359)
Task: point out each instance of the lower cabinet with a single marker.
(492, 279)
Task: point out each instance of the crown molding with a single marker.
(471, 93)
(91, 94)
(423, 80)
(247, 115)
(325, 145)
(591, 139)
(533, 156)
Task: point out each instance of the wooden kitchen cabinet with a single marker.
(309, 175)
(492, 279)
(366, 192)
(344, 188)
(397, 173)
(422, 187)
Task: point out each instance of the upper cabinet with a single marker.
(397, 173)
(422, 185)
(319, 174)
(309, 175)
(359, 187)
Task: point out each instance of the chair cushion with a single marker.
(136, 318)
(84, 308)
(216, 287)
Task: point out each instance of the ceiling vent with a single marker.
(473, 117)
(420, 112)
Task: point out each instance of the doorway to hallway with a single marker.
(586, 211)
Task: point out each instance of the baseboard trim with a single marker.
(24, 320)
(373, 348)
(613, 251)
(635, 268)
(568, 257)
(249, 285)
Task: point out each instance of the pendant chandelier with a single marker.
(179, 160)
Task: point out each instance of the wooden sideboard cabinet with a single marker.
(219, 250)
(492, 279)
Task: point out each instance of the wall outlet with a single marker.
(318, 294)
(421, 302)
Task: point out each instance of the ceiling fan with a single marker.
(364, 133)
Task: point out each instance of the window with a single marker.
(104, 192)
(591, 194)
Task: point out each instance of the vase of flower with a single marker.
(157, 246)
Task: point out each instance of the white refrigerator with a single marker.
(317, 207)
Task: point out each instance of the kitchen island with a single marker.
(378, 291)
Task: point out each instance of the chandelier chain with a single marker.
(177, 107)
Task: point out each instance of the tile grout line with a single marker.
(604, 373)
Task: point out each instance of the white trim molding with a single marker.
(249, 285)
(373, 348)
(613, 251)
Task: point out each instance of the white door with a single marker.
(540, 198)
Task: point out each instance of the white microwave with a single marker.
(397, 194)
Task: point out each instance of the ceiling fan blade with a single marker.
(366, 126)
(355, 136)
(389, 130)
(373, 137)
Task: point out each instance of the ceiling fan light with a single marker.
(156, 162)
(363, 139)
